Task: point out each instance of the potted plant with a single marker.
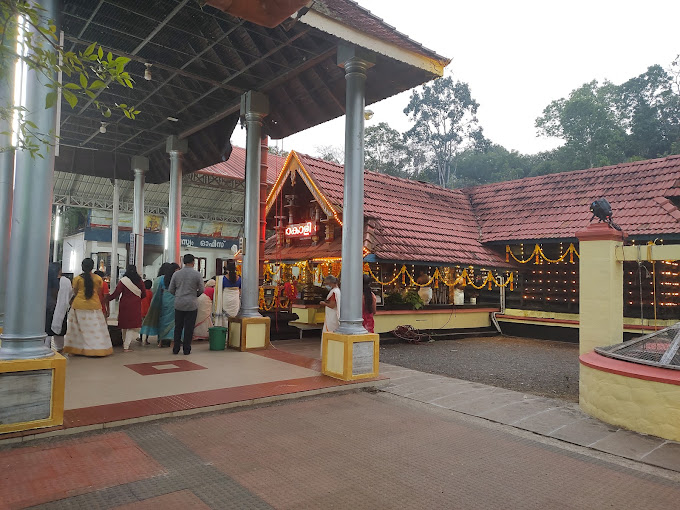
(413, 299)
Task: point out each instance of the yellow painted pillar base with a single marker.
(350, 357)
(600, 287)
(32, 393)
(248, 333)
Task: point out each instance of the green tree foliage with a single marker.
(85, 74)
(587, 123)
(385, 151)
(444, 117)
(649, 110)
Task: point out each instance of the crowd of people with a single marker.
(176, 308)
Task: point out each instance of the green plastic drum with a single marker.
(217, 336)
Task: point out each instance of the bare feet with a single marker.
(127, 350)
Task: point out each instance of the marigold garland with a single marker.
(538, 254)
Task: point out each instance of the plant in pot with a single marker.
(413, 299)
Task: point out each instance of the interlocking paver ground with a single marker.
(354, 451)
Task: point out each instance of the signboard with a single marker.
(300, 230)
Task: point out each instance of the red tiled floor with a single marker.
(180, 500)
(34, 475)
(164, 367)
(160, 405)
(289, 357)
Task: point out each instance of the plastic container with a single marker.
(217, 336)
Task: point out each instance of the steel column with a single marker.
(6, 185)
(114, 245)
(254, 106)
(351, 322)
(140, 166)
(175, 147)
(24, 329)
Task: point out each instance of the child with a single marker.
(146, 302)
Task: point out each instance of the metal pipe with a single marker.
(138, 221)
(255, 106)
(175, 207)
(351, 322)
(24, 330)
(114, 245)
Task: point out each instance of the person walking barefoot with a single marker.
(131, 290)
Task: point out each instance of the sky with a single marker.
(517, 57)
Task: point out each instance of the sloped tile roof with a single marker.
(556, 206)
(410, 220)
(235, 166)
(302, 251)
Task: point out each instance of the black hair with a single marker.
(169, 272)
(100, 273)
(53, 276)
(163, 269)
(131, 272)
(189, 258)
(87, 266)
(368, 295)
(148, 284)
(231, 271)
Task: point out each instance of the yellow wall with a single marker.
(600, 295)
(423, 320)
(635, 404)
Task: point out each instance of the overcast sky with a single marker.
(518, 57)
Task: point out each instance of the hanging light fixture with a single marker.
(147, 72)
(102, 128)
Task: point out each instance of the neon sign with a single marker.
(297, 230)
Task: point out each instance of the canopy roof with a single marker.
(203, 60)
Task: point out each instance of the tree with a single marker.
(587, 122)
(445, 123)
(331, 153)
(649, 108)
(86, 73)
(385, 150)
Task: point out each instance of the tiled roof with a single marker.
(235, 166)
(302, 251)
(356, 16)
(557, 205)
(409, 220)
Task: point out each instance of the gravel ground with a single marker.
(539, 367)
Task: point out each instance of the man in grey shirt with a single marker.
(186, 285)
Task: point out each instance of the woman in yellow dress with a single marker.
(87, 333)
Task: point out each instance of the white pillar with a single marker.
(140, 165)
(175, 147)
(114, 245)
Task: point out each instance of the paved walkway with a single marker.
(347, 451)
(551, 418)
(421, 441)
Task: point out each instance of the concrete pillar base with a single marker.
(32, 393)
(350, 357)
(248, 333)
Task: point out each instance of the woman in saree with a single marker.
(160, 319)
(87, 333)
(227, 300)
(204, 317)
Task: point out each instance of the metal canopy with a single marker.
(203, 60)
